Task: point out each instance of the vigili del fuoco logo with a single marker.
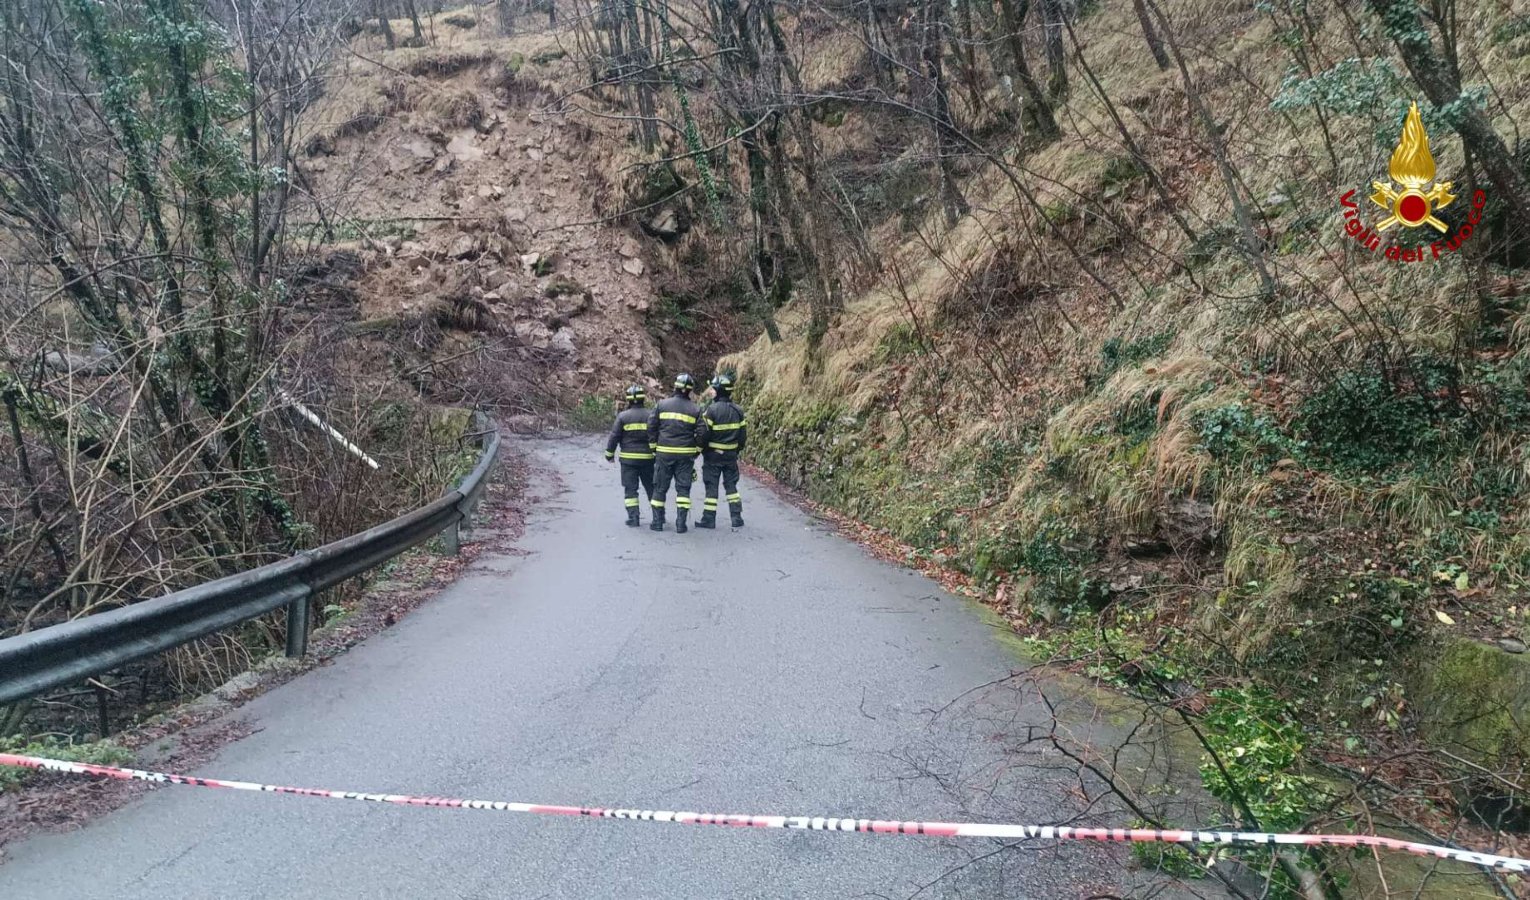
(1414, 205)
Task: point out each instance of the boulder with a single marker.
(563, 342)
(464, 247)
(1474, 698)
(523, 424)
(1189, 524)
(533, 334)
(632, 266)
(464, 148)
(629, 248)
(422, 151)
(666, 224)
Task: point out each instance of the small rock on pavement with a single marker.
(1511, 645)
(633, 266)
(629, 248)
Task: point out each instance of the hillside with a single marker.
(1254, 468)
(1191, 337)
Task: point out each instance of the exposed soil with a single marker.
(476, 204)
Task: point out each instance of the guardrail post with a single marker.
(452, 537)
(297, 627)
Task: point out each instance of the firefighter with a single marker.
(726, 434)
(629, 441)
(676, 432)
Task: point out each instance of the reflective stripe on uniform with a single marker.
(626, 455)
(731, 426)
(635, 426)
(682, 417)
(722, 446)
(733, 498)
(683, 450)
(683, 502)
(632, 501)
(656, 504)
(711, 503)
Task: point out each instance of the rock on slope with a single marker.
(471, 202)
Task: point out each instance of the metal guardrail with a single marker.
(41, 660)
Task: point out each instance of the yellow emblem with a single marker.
(1412, 167)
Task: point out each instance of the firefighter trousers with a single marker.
(679, 469)
(725, 471)
(637, 472)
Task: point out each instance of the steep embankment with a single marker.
(1085, 397)
(491, 270)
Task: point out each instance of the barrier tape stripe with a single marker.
(808, 823)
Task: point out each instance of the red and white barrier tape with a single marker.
(811, 823)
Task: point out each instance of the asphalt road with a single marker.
(776, 669)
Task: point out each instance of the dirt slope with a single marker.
(461, 190)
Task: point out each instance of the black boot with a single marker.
(632, 517)
(738, 519)
(708, 519)
(658, 520)
(680, 515)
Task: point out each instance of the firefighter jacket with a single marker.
(726, 433)
(629, 436)
(675, 427)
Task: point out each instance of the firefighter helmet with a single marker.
(636, 394)
(722, 383)
(684, 382)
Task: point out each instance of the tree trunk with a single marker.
(414, 23)
(969, 58)
(1253, 247)
(1151, 34)
(1014, 12)
(951, 200)
(1400, 19)
(814, 244)
(1057, 79)
(381, 12)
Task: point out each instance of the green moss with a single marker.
(1476, 698)
(449, 423)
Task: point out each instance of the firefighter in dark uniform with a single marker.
(676, 432)
(629, 441)
(726, 434)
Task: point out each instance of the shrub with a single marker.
(591, 413)
(101, 753)
(1116, 353)
(1361, 420)
(1255, 743)
(1234, 433)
